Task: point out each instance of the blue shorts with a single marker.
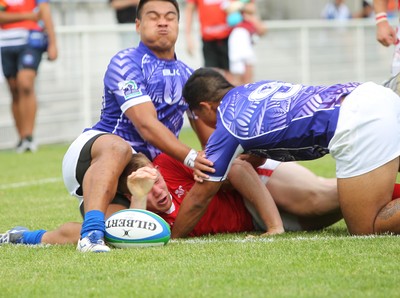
(15, 58)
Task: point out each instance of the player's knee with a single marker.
(316, 204)
(25, 90)
(360, 229)
(119, 149)
(241, 165)
(322, 200)
(25, 87)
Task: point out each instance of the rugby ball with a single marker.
(136, 228)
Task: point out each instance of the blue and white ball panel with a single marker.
(136, 228)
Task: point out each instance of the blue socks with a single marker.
(94, 220)
(32, 237)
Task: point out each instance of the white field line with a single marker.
(29, 183)
(272, 239)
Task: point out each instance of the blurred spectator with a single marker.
(125, 12)
(386, 34)
(242, 38)
(27, 32)
(367, 11)
(214, 32)
(336, 10)
(392, 8)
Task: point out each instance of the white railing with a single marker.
(312, 52)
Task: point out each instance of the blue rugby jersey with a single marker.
(276, 120)
(134, 76)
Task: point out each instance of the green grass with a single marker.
(328, 263)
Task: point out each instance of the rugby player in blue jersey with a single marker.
(143, 105)
(358, 124)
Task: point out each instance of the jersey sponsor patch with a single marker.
(171, 72)
(130, 89)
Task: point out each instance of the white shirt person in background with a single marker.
(336, 10)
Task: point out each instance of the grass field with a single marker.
(328, 263)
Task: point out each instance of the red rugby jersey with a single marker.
(226, 212)
(18, 6)
(212, 19)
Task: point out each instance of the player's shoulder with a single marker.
(123, 65)
(123, 56)
(164, 159)
(168, 164)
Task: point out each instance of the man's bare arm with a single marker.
(144, 117)
(245, 180)
(45, 15)
(9, 17)
(121, 4)
(385, 33)
(193, 207)
(189, 15)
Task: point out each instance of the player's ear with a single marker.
(205, 105)
(137, 25)
(214, 106)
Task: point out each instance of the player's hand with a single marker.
(33, 15)
(234, 6)
(274, 231)
(201, 166)
(270, 232)
(385, 34)
(52, 52)
(140, 184)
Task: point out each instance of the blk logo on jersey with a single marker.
(130, 89)
(171, 72)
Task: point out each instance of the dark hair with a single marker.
(143, 2)
(205, 84)
(365, 4)
(138, 160)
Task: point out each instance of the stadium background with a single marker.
(298, 48)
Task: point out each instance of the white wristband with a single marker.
(380, 17)
(190, 158)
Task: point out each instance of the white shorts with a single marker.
(241, 52)
(368, 131)
(265, 171)
(290, 222)
(70, 162)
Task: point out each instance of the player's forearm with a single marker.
(187, 219)
(8, 17)
(189, 12)
(380, 6)
(45, 15)
(121, 4)
(246, 181)
(193, 207)
(162, 138)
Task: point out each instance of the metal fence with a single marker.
(311, 52)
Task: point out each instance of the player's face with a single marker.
(158, 28)
(159, 199)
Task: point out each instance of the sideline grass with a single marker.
(328, 263)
